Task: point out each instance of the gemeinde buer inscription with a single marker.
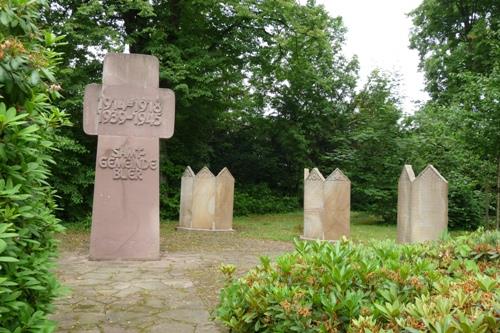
(128, 163)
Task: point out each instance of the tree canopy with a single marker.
(264, 88)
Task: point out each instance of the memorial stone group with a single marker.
(130, 113)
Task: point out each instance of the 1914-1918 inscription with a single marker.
(129, 111)
(139, 111)
(128, 163)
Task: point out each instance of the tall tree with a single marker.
(271, 68)
(459, 46)
(377, 146)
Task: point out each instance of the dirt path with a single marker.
(175, 294)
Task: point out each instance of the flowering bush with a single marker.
(450, 286)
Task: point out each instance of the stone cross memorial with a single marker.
(327, 205)
(422, 205)
(129, 113)
(206, 200)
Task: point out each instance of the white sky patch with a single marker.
(378, 33)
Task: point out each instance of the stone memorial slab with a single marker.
(313, 205)
(185, 214)
(206, 201)
(429, 206)
(337, 206)
(203, 211)
(224, 198)
(327, 205)
(404, 202)
(422, 205)
(129, 113)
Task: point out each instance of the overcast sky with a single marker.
(378, 33)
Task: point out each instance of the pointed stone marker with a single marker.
(422, 205)
(206, 201)
(187, 183)
(224, 200)
(404, 203)
(129, 113)
(337, 206)
(203, 213)
(429, 206)
(313, 205)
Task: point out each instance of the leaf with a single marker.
(8, 259)
(48, 74)
(4, 19)
(34, 78)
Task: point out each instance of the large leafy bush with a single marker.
(451, 286)
(27, 130)
(260, 199)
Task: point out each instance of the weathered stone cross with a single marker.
(129, 113)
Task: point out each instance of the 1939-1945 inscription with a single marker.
(129, 111)
(128, 163)
(138, 111)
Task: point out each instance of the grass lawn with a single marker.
(277, 227)
(286, 227)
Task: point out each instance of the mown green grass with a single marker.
(286, 227)
(278, 227)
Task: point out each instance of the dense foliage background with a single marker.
(263, 87)
(28, 130)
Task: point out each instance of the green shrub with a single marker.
(260, 199)
(450, 286)
(27, 129)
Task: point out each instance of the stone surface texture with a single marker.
(129, 113)
(337, 206)
(404, 202)
(224, 200)
(207, 201)
(131, 296)
(313, 205)
(327, 204)
(204, 200)
(422, 206)
(185, 213)
(125, 213)
(429, 206)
